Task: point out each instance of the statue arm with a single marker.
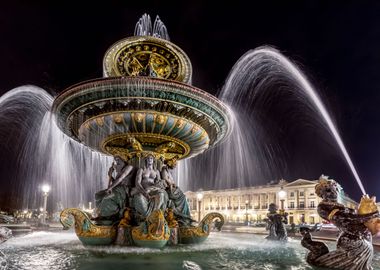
(158, 176)
(341, 215)
(120, 178)
(166, 175)
(110, 178)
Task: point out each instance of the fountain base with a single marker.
(155, 232)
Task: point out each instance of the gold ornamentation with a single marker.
(154, 228)
(367, 205)
(136, 145)
(84, 226)
(332, 213)
(118, 151)
(194, 130)
(100, 121)
(172, 222)
(148, 140)
(137, 56)
(118, 118)
(140, 144)
(180, 123)
(160, 118)
(86, 125)
(373, 225)
(203, 229)
(165, 147)
(139, 117)
(126, 220)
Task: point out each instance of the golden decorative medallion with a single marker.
(147, 56)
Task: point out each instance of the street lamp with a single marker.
(45, 190)
(282, 195)
(199, 197)
(246, 212)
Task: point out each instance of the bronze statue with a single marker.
(149, 194)
(112, 202)
(178, 201)
(276, 224)
(354, 248)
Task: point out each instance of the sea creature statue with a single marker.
(87, 231)
(276, 224)
(354, 250)
(193, 235)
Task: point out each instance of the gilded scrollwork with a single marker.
(84, 227)
(204, 227)
(142, 144)
(154, 228)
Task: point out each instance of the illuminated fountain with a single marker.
(145, 113)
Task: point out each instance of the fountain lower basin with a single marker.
(222, 250)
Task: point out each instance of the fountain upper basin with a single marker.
(126, 115)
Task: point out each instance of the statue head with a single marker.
(327, 188)
(118, 163)
(272, 208)
(149, 160)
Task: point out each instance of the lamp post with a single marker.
(282, 195)
(246, 212)
(199, 197)
(45, 190)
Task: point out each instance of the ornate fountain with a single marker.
(147, 115)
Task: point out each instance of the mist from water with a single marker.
(45, 155)
(260, 80)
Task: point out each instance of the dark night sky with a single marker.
(336, 43)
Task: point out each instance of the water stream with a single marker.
(261, 79)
